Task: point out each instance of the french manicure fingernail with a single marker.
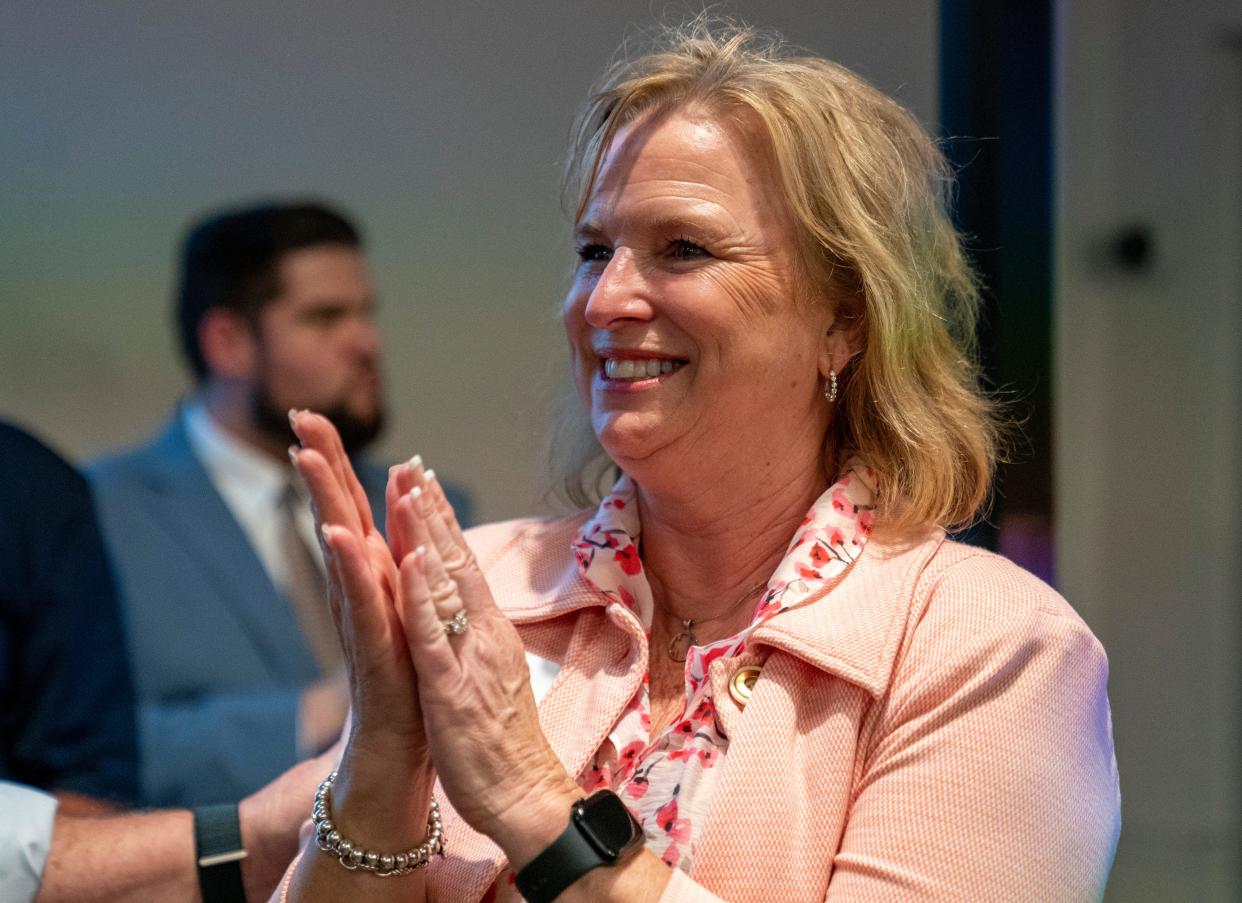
(416, 461)
(420, 551)
(429, 474)
(293, 417)
(293, 454)
(416, 492)
(323, 531)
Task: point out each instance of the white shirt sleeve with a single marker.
(26, 817)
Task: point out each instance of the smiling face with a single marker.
(690, 345)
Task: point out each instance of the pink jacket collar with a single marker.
(851, 628)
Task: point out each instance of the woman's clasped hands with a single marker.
(439, 684)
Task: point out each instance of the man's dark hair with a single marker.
(231, 260)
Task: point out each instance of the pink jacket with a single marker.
(932, 725)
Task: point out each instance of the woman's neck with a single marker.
(702, 551)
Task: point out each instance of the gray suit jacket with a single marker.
(218, 657)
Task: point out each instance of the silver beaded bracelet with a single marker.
(353, 856)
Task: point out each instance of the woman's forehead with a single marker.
(688, 131)
(702, 153)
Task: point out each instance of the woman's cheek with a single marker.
(752, 288)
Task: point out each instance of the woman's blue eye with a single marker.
(591, 253)
(687, 250)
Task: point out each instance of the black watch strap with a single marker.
(601, 831)
(568, 858)
(219, 851)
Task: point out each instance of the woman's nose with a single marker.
(620, 294)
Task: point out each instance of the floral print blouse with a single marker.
(668, 784)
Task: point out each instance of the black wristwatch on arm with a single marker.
(601, 831)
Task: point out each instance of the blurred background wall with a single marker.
(1147, 421)
(440, 126)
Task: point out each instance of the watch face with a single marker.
(607, 824)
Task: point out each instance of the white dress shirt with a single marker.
(251, 484)
(25, 838)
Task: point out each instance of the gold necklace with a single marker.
(682, 642)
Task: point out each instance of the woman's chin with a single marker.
(632, 445)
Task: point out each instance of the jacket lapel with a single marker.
(852, 627)
(779, 808)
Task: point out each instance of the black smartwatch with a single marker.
(219, 851)
(601, 832)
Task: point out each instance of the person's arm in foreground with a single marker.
(151, 856)
(462, 704)
(145, 856)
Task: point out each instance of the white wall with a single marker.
(1149, 419)
(439, 124)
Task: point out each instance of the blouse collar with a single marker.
(828, 540)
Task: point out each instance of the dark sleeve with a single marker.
(68, 702)
(214, 748)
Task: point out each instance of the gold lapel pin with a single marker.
(742, 685)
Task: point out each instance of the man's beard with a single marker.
(356, 433)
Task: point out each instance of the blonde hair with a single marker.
(869, 193)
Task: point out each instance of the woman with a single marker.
(769, 654)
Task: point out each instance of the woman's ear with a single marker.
(843, 338)
(228, 344)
